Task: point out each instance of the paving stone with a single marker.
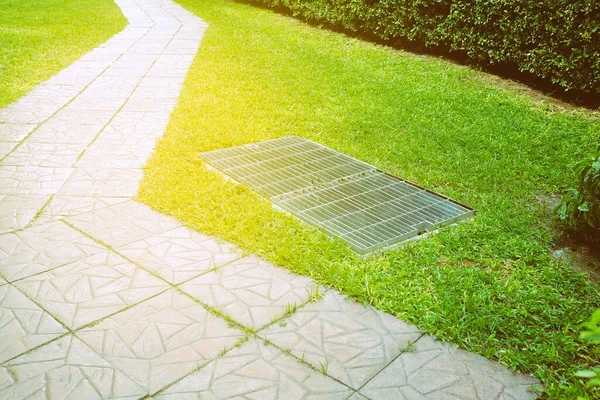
(357, 396)
(131, 127)
(16, 211)
(191, 33)
(49, 91)
(23, 324)
(137, 18)
(163, 20)
(180, 254)
(122, 86)
(98, 55)
(15, 132)
(98, 102)
(90, 289)
(75, 82)
(127, 73)
(160, 340)
(148, 47)
(118, 45)
(351, 341)
(65, 369)
(42, 108)
(81, 69)
(150, 105)
(159, 81)
(441, 371)
(146, 92)
(103, 182)
(73, 116)
(123, 223)
(16, 115)
(256, 371)
(173, 61)
(65, 133)
(105, 154)
(182, 47)
(167, 72)
(22, 180)
(68, 206)
(123, 140)
(135, 61)
(6, 147)
(251, 291)
(158, 33)
(41, 248)
(44, 155)
(132, 32)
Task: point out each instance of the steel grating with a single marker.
(352, 200)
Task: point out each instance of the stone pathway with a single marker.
(101, 297)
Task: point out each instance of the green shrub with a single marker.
(580, 208)
(556, 40)
(592, 335)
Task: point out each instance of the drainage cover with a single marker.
(354, 201)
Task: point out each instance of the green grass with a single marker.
(488, 285)
(38, 38)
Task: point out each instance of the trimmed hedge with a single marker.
(556, 40)
(580, 208)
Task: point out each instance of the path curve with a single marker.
(102, 297)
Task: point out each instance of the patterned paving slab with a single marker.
(14, 115)
(72, 115)
(251, 291)
(44, 155)
(123, 223)
(22, 180)
(112, 155)
(131, 128)
(15, 132)
(180, 254)
(102, 182)
(161, 339)
(23, 324)
(16, 211)
(458, 374)
(92, 288)
(65, 133)
(65, 369)
(350, 341)
(68, 206)
(256, 371)
(41, 248)
(357, 396)
(6, 147)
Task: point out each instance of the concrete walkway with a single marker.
(101, 297)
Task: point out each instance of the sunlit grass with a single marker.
(488, 285)
(40, 37)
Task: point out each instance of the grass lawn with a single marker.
(488, 285)
(38, 38)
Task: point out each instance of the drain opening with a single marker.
(349, 199)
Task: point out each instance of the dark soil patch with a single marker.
(581, 255)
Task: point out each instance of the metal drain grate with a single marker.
(348, 198)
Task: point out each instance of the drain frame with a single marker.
(290, 182)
